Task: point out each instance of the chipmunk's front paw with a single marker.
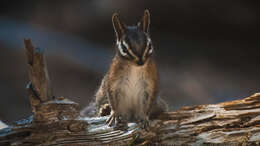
(112, 119)
(117, 121)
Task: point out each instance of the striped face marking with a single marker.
(149, 46)
(148, 49)
(137, 51)
(122, 48)
(125, 50)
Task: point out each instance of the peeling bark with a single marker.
(56, 121)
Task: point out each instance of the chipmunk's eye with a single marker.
(123, 49)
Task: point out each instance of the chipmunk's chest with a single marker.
(134, 83)
(132, 89)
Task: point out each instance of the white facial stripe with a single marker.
(145, 51)
(129, 50)
(120, 48)
(146, 48)
(148, 43)
(150, 51)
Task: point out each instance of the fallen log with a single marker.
(56, 120)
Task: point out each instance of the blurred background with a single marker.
(207, 51)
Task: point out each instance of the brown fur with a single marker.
(131, 89)
(115, 84)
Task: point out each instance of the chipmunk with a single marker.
(130, 86)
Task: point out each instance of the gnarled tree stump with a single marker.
(56, 121)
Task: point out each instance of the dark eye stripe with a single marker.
(149, 47)
(125, 49)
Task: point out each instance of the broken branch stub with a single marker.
(38, 73)
(46, 109)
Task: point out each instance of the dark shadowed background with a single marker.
(207, 51)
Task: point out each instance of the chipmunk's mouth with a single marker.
(140, 62)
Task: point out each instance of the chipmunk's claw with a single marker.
(111, 119)
(116, 121)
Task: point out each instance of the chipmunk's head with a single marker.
(133, 42)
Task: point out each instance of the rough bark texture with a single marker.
(57, 121)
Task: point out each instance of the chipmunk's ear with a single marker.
(144, 24)
(119, 27)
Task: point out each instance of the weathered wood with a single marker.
(229, 123)
(45, 107)
(38, 73)
(58, 123)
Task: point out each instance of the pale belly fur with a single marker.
(132, 94)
